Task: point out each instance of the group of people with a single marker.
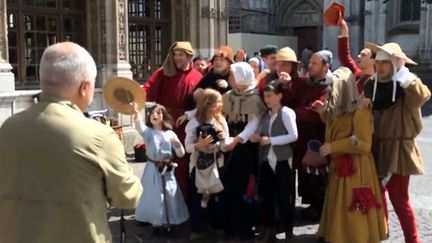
(233, 164)
(249, 127)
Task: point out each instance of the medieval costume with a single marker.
(276, 176)
(206, 184)
(353, 208)
(398, 120)
(218, 80)
(242, 110)
(170, 87)
(299, 95)
(346, 60)
(161, 202)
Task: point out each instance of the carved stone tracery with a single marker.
(121, 30)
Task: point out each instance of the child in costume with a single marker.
(161, 203)
(206, 137)
(276, 177)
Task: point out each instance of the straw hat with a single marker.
(120, 92)
(391, 48)
(286, 54)
(333, 13)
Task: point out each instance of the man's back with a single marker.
(58, 169)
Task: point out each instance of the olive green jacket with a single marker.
(59, 171)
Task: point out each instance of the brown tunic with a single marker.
(394, 148)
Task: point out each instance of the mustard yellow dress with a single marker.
(353, 210)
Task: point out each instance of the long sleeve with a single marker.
(140, 126)
(249, 129)
(361, 139)
(151, 87)
(226, 141)
(299, 96)
(123, 188)
(191, 136)
(180, 151)
(289, 94)
(345, 58)
(289, 121)
(190, 114)
(416, 94)
(305, 113)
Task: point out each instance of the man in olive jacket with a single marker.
(58, 169)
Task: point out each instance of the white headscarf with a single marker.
(243, 74)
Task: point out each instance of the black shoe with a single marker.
(157, 232)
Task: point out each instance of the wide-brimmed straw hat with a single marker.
(391, 48)
(286, 54)
(333, 13)
(119, 93)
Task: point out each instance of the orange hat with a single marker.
(333, 13)
(225, 52)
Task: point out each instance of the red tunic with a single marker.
(299, 96)
(346, 60)
(172, 92)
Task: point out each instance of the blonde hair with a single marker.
(204, 101)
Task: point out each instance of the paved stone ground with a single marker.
(420, 193)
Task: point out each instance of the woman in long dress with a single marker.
(353, 208)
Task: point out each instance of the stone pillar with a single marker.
(425, 35)
(371, 18)
(7, 79)
(108, 43)
(114, 50)
(210, 26)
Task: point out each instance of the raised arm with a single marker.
(344, 52)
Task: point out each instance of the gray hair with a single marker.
(65, 65)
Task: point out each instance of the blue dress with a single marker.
(151, 207)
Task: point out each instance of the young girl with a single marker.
(276, 178)
(353, 208)
(161, 203)
(206, 136)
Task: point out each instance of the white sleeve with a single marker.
(191, 136)
(190, 114)
(404, 77)
(226, 141)
(140, 126)
(289, 121)
(249, 129)
(180, 152)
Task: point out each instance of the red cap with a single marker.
(333, 13)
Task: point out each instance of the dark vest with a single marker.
(283, 152)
